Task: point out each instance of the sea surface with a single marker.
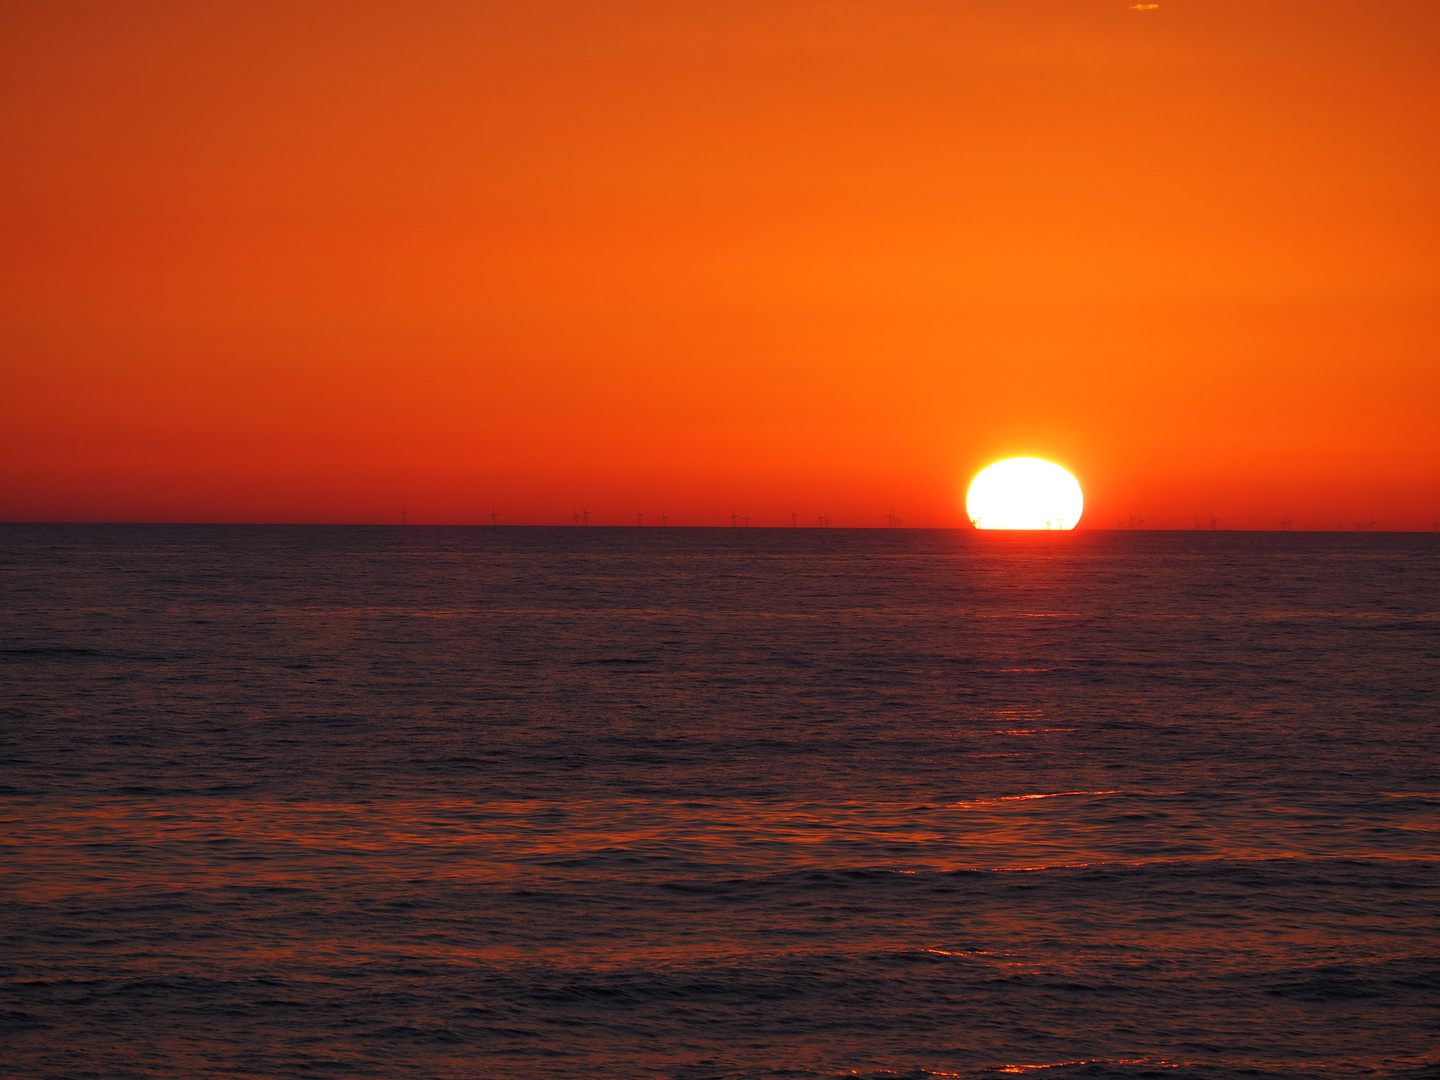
(631, 803)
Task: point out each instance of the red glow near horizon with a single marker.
(313, 264)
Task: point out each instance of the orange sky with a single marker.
(316, 262)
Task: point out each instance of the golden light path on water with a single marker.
(1024, 493)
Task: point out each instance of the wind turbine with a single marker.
(639, 518)
(745, 518)
(494, 517)
(664, 517)
(404, 517)
(587, 516)
(794, 519)
(1287, 524)
(734, 519)
(894, 521)
(575, 518)
(1214, 521)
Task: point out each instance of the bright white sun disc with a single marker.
(1024, 493)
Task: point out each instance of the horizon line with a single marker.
(661, 528)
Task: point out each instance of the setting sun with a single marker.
(1024, 493)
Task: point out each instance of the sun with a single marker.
(1024, 493)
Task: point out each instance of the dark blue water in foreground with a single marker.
(730, 803)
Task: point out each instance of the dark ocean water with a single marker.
(717, 803)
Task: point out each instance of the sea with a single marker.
(717, 803)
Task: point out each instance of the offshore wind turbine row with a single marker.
(892, 520)
(581, 518)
